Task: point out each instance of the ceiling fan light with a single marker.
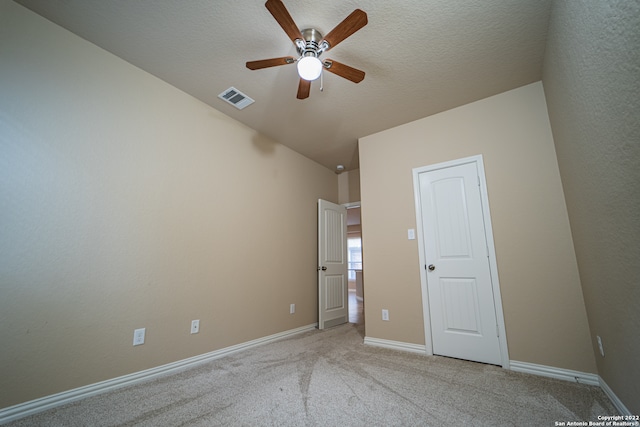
(309, 68)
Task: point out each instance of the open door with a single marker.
(333, 299)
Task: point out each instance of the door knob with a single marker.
(431, 267)
(323, 268)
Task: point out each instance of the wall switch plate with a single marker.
(385, 314)
(195, 326)
(292, 308)
(600, 346)
(411, 234)
(138, 336)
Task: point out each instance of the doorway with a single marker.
(356, 274)
(460, 290)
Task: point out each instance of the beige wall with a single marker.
(126, 203)
(349, 186)
(592, 81)
(542, 299)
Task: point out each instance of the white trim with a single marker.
(422, 257)
(553, 372)
(614, 399)
(350, 205)
(31, 407)
(493, 265)
(395, 345)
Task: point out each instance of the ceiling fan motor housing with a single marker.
(311, 45)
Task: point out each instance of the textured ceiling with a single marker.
(420, 57)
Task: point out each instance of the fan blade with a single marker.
(345, 71)
(273, 62)
(350, 25)
(280, 13)
(303, 89)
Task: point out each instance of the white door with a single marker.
(459, 283)
(333, 301)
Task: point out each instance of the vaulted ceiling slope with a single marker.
(420, 57)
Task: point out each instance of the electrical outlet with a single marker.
(292, 309)
(600, 345)
(385, 314)
(195, 326)
(138, 336)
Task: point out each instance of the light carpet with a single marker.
(330, 378)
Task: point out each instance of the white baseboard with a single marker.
(614, 399)
(573, 376)
(396, 345)
(553, 372)
(38, 405)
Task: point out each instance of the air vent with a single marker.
(236, 98)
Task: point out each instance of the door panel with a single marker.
(334, 223)
(334, 291)
(451, 218)
(460, 305)
(333, 305)
(459, 286)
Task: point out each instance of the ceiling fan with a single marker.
(310, 45)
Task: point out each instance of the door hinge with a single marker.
(478, 180)
(497, 330)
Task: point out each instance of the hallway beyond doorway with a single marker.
(356, 309)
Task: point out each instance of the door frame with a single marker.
(350, 205)
(493, 265)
